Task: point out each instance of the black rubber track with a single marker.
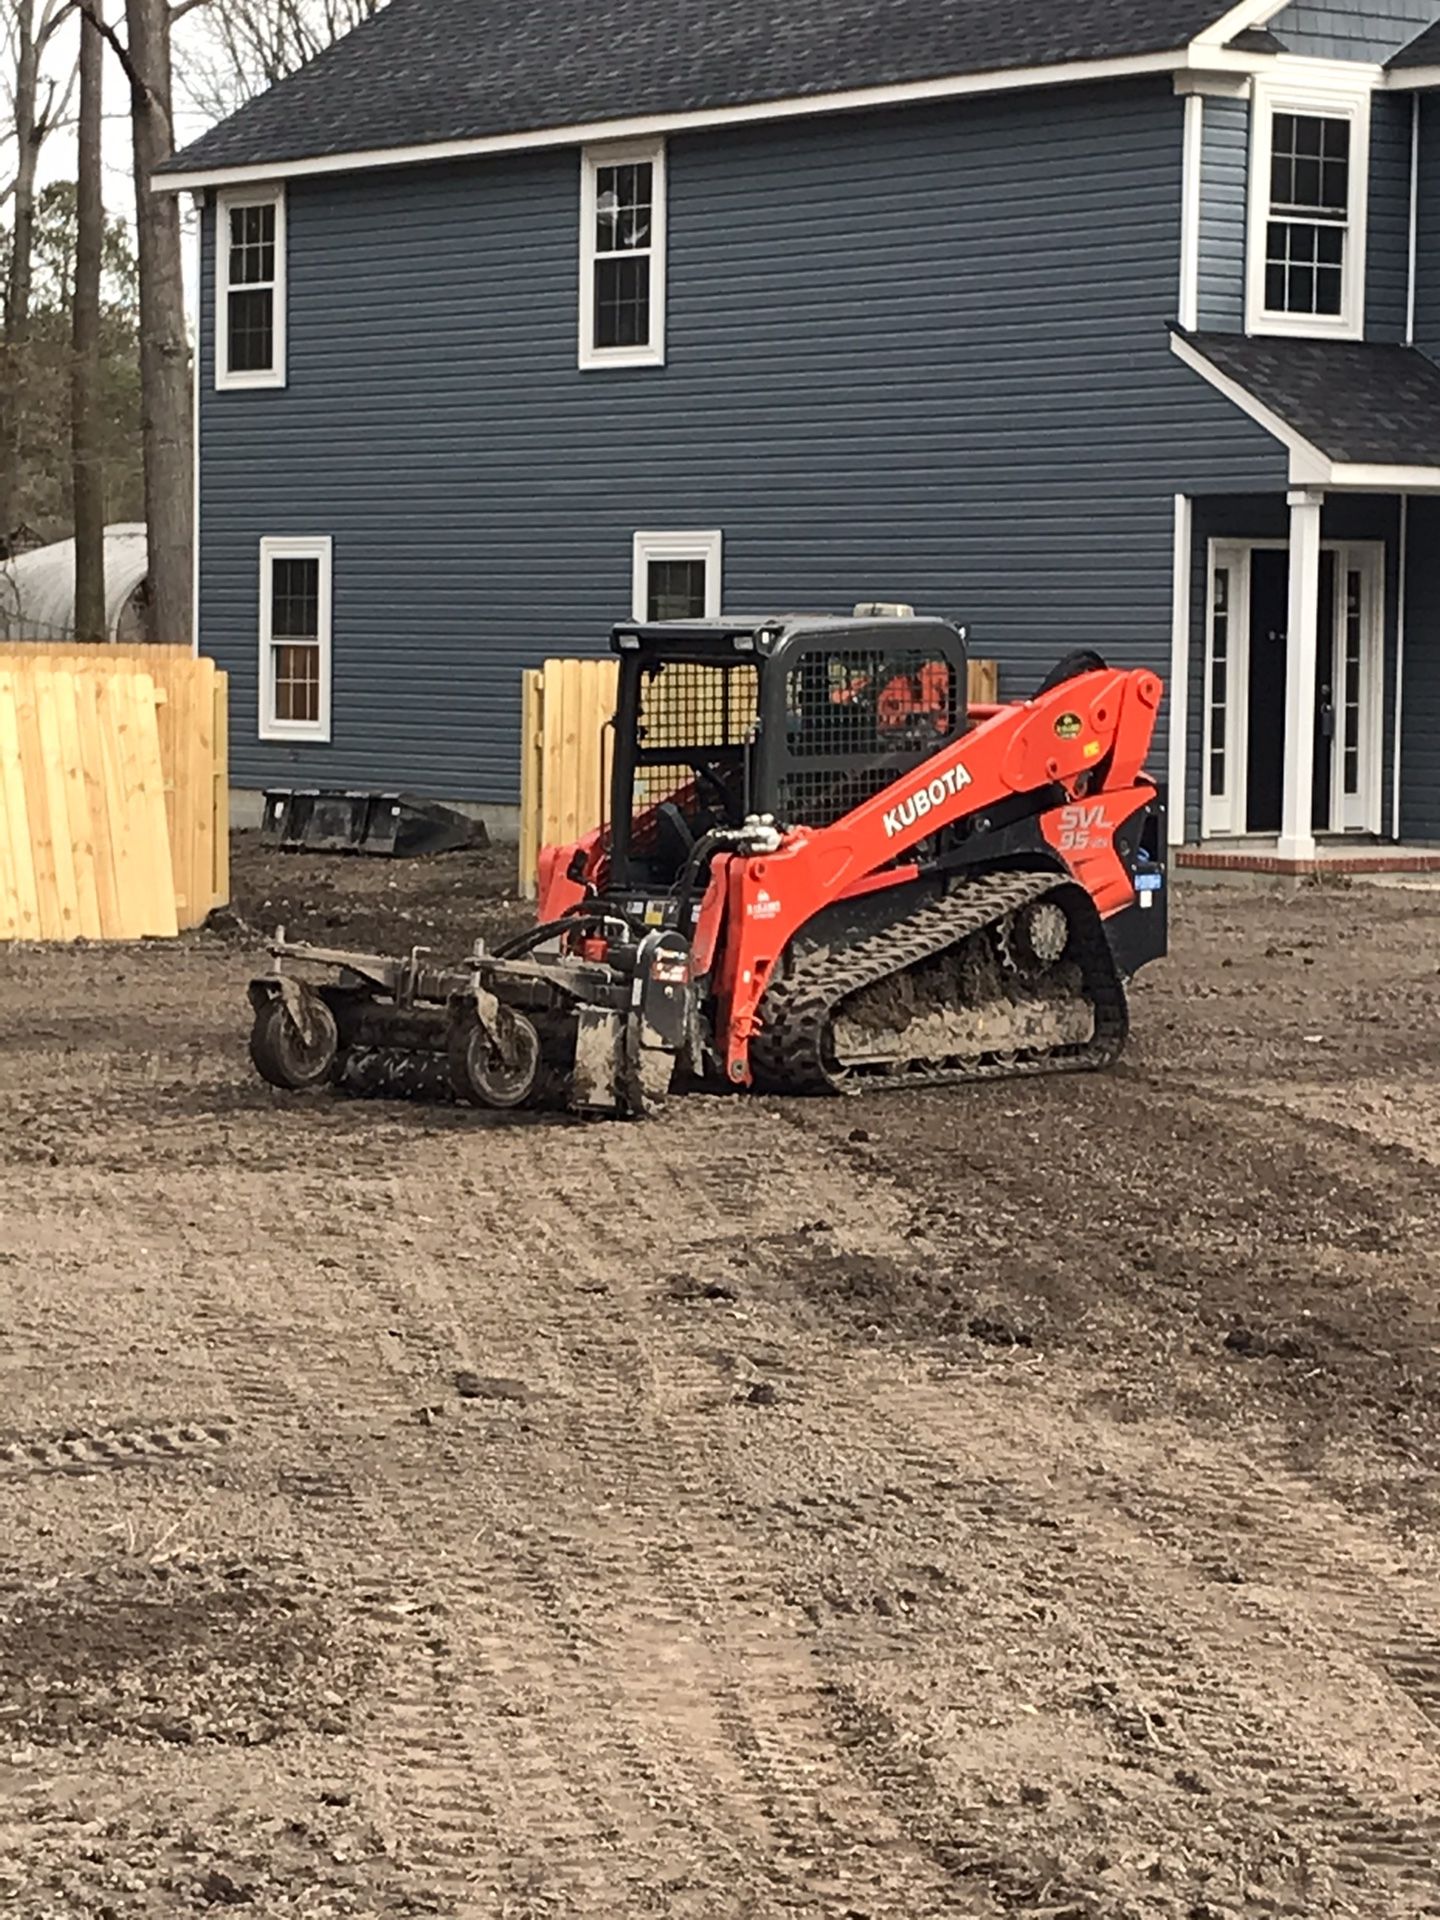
(791, 1054)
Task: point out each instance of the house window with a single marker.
(677, 576)
(295, 638)
(622, 256)
(1219, 701)
(250, 289)
(1308, 214)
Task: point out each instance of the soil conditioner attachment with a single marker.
(821, 873)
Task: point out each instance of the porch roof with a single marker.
(1422, 51)
(1354, 413)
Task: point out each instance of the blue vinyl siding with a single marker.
(1333, 30)
(915, 355)
(1224, 178)
(1420, 726)
(1427, 230)
(1387, 240)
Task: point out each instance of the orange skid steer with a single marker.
(821, 872)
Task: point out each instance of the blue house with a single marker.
(1087, 325)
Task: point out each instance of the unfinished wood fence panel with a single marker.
(566, 744)
(114, 800)
(566, 710)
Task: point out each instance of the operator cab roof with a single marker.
(768, 633)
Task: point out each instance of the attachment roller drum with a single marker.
(294, 1041)
(494, 1070)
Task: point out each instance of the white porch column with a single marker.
(1297, 837)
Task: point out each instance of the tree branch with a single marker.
(139, 88)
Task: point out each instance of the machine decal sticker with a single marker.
(1068, 726)
(925, 800)
(1082, 827)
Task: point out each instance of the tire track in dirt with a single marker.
(607, 1610)
(1255, 1717)
(422, 1694)
(1186, 1684)
(456, 1712)
(532, 1639)
(75, 1452)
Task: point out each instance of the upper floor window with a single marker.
(622, 256)
(1308, 206)
(250, 289)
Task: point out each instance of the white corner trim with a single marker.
(1340, 95)
(1402, 568)
(197, 214)
(274, 375)
(1177, 797)
(1202, 55)
(1193, 153)
(652, 352)
(708, 546)
(314, 546)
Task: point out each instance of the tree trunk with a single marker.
(165, 395)
(17, 280)
(86, 460)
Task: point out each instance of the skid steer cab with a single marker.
(822, 870)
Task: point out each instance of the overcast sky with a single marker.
(57, 158)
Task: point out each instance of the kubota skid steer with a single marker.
(821, 873)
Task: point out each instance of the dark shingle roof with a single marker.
(431, 70)
(1353, 399)
(1423, 50)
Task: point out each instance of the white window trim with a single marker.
(225, 203)
(1289, 95)
(709, 547)
(275, 547)
(652, 352)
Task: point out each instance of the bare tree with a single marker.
(38, 104)
(86, 448)
(243, 46)
(166, 424)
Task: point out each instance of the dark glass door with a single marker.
(1265, 754)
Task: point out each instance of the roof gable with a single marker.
(1422, 51)
(427, 72)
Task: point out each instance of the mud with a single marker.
(1016, 1501)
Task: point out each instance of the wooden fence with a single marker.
(114, 791)
(567, 707)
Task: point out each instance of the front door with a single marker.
(1245, 668)
(1265, 689)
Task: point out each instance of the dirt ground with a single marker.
(1012, 1502)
